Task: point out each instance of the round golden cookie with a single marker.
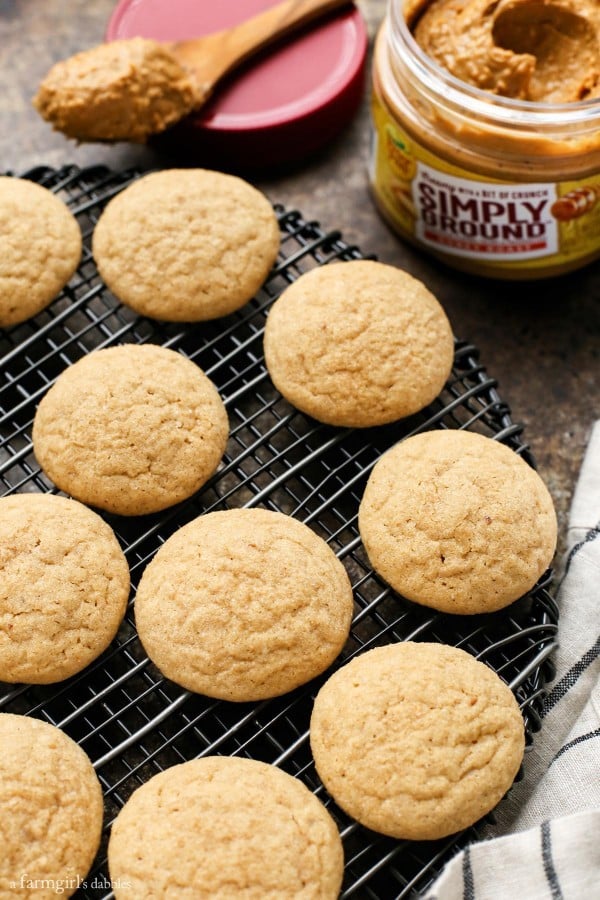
(358, 344)
(457, 521)
(416, 741)
(51, 810)
(64, 585)
(225, 827)
(131, 429)
(243, 604)
(40, 247)
(185, 245)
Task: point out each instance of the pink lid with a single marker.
(281, 106)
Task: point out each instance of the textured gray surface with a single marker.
(540, 340)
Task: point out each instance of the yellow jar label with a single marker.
(460, 214)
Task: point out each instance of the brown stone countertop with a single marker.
(541, 341)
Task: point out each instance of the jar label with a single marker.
(506, 225)
(482, 219)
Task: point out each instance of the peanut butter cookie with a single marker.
(186, 245)
(228, 828)
(357, 344)
(40, 247)
(243, 604)
(131, 429)
(64, 584)
(416, 741)
(50, 808)
(457, 521)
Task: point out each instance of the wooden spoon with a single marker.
(212, 57)
(130, 89)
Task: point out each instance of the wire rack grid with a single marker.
(130, 720)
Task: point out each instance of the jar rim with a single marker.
(504, 110)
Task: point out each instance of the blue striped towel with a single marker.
(545, 844)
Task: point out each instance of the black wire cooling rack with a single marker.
(130, 720)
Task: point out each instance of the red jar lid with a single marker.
(280, 107)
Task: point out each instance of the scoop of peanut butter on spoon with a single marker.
(130, 89)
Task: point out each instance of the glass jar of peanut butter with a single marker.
(464, 164)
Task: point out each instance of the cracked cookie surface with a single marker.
(243, 605)
(40, 247)
(51, 810)
(131, 429)
(416, 741)
(358, 344)
(185, 245)
(228, 828)
(64, 585)
(456, 521)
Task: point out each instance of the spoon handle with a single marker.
(214, 55)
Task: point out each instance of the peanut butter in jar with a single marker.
(486, 148)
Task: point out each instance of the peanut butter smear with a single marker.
(120, 91)
(540, 50)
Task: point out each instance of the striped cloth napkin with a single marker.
(545, 844)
